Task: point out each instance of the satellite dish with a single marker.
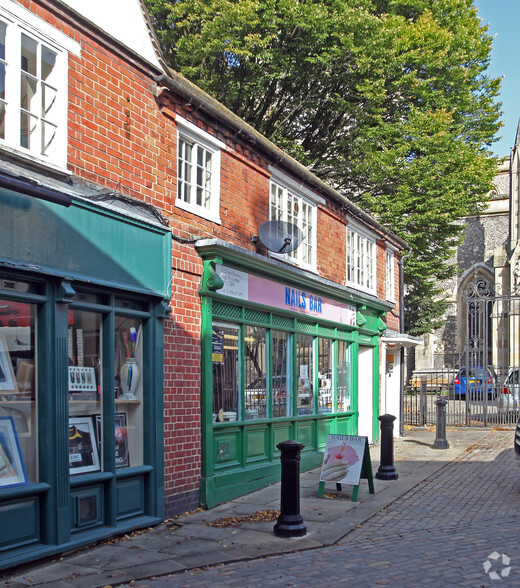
(280, 236)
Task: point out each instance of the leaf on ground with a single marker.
(261, 516)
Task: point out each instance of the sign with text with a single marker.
(253, 288)
(343, 459)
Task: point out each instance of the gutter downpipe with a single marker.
(402, 350)
(35, 190)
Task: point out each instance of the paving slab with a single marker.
(190, 543)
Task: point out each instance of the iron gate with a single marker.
(482, 382)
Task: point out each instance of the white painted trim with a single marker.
(291, 184)
(198, 211)
(45, 35)
(353, 228)
(188, 128)
(16, 12)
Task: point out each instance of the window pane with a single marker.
(343, 387)
(3, 28)
(281, 381)
(48, 136)
(325, 375)
(184, 171)
(2, 120)
(48, 101)
(304, 367)
(2, 75)
(128, 369)
(203, 179)
(225, 371)
(85, 420)
(28, 130)
(48, 63)
(18, 416)
(28, 93)
(255, 363)
(29, 49)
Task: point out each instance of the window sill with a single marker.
(295, 263)
(34, 161)
(360, 288)
(198, 211)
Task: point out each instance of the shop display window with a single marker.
(128, 391)
(261, 373)
(18, 393)
(325, 374)
(304, 371)
(225, 355)
(281, 381)
(255, 368)
(89, 426)
(85, 391)
(343, 387)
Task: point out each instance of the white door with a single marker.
(365, 392)
(392, 402)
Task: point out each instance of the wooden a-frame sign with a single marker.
(346, 461)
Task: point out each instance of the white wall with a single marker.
(391, 385)
(121, 19)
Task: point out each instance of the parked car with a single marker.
(474, 380)
(508, 398)
(434, 380)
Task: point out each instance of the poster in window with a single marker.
(121, 434)
(122, 456)
(7, 379)
(83, 451)
(12, 468)
(217, 346)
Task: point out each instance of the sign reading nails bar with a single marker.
(244, 286)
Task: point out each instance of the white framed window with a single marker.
(295, 204)
(390, 274)
(361, 260)
(33, 86)
(198, 171)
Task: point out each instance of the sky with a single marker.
(503, 17)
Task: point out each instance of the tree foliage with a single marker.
(386, 100)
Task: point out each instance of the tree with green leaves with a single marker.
(386, 100)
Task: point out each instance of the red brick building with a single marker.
(158, 339)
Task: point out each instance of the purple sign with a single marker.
(255, 289)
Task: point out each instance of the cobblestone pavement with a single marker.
(441, 533)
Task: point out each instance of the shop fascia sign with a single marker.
(251, 288)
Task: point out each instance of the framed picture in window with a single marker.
(121, 438)
(12, 468)
(7, 379)
(25, 375)
(121, 434)
(83, 451)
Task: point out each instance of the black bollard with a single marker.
(386, 470)
(290, 522)
(440, 440)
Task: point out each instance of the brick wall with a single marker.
(122, 136)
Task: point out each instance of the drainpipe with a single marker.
(34, 189)
(401, 329)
